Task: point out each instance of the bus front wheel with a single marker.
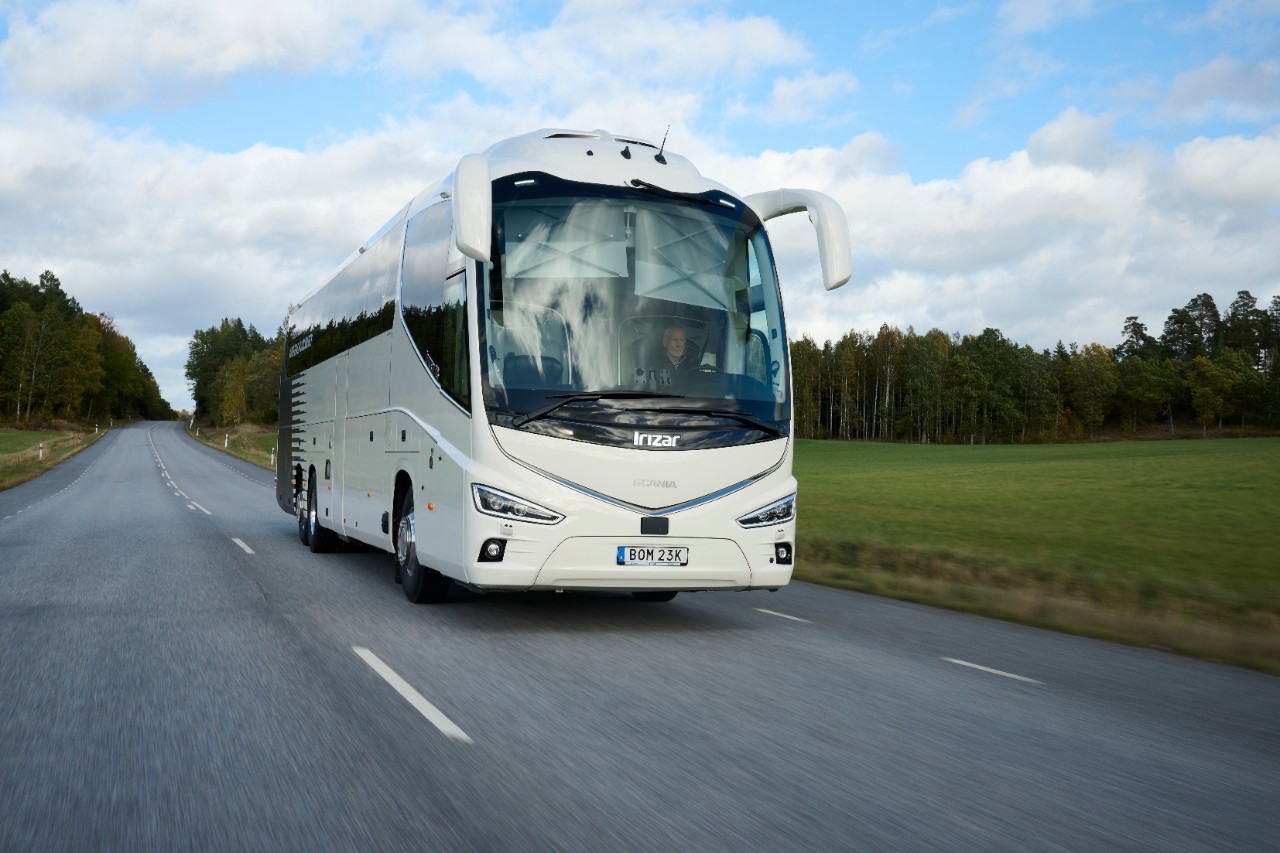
(421, 585)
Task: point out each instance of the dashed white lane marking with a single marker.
(245, 547)
(784, 616)
(433, 714)
(993, 671)
(202, 509)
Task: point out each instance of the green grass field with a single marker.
(15, 440)
(20, 451)
(1172, 543)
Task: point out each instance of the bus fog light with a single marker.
(778, 512)
(492, 551)
(782, 553)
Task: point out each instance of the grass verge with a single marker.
(254, 443)
(1171, 545)
(20, 453)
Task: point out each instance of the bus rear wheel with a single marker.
(321, 539)
(300, 509)
(421, 585)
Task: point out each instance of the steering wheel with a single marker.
(703, 368)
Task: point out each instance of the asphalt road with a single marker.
(178, 672)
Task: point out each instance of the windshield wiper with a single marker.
(645, 185)
(566, 399)
(740, 417)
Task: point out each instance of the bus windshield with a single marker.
(636, 307)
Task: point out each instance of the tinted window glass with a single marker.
(435, 307)
(356, 305)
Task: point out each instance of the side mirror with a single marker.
(828, 219)
(473, 207)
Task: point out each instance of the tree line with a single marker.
(234, 373)
(59, 361)
(1205, 367)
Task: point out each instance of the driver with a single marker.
(676, 359)
(674, 344)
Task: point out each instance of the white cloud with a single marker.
(568, 60)
(97, 55)
(1231, 170)
(1235, 13)
(1029, 16)
(1074, 138)
(1226, 88)
(807, 97)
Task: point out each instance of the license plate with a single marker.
(644, 555)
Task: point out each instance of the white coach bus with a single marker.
(564, 367)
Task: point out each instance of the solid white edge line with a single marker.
(784, 616)
(202, 509)
(433, 714)
(245, 547)
(992, 671)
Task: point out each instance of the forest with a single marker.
(1206, 369)
(234, 373)
(58, 361)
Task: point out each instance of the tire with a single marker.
(421, 585)
(646, 595)
(300, 510)
(321, 539)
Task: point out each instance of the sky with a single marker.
(1046, 168)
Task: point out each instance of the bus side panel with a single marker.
(366, 480)
(437, 432)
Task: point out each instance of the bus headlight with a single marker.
(493, 502)
(778, 512)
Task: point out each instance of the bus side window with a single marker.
(435, 307)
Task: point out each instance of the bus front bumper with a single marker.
(591, 563)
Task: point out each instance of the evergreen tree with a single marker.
(1244, 328)
(1136, 341)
